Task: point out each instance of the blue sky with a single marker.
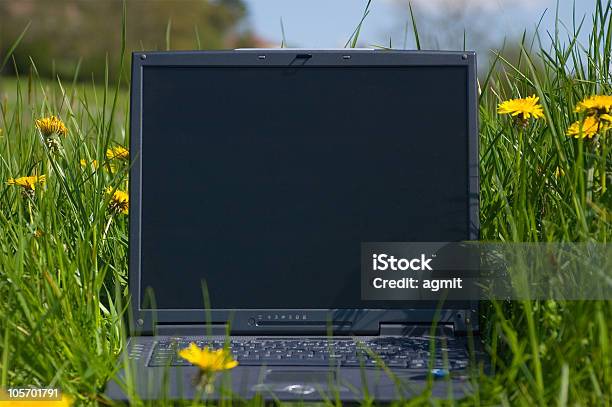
(328, 23)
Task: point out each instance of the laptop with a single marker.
(257, 175)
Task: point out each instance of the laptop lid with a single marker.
(257, 174)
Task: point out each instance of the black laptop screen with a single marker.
(264, 181)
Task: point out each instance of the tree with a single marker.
(64, 32)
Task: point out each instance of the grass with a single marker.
(63, 293)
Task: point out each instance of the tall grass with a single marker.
(63, 255)
(539, 185)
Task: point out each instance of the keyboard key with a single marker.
(287, 362)
(417, 364)
(242, 359)
(396, 363)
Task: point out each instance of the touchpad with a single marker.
(300, 376)
(299, 382)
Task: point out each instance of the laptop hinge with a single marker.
(191, 329)
(394, 329)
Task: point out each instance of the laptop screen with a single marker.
(264, 181)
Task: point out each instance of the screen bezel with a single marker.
(361, 321)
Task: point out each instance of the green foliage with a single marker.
(65, 34)
(63, 292)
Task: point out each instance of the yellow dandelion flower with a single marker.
(598, 104)
(51, 125)
(587, 128)
(523, 109)
(606, 117)
(119, 201)
(27, 183)
(208, 361)
(112, 167)
(118, 153)
(85, 163)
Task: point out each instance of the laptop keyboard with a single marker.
(394, 352)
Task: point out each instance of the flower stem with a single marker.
(589, 184)
(106, 228)
(30, 212)
(602, 169)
